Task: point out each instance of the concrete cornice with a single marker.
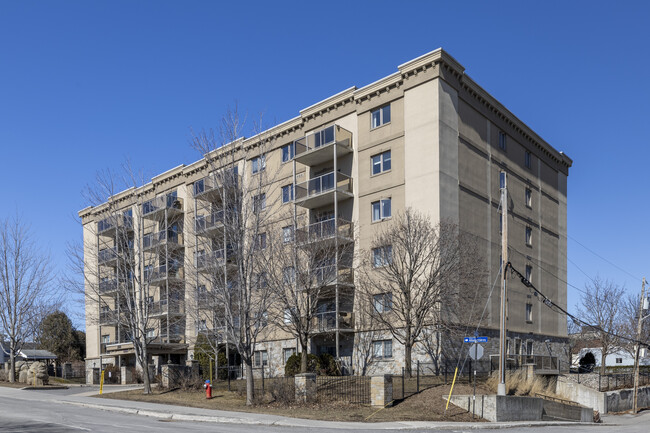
(325, 105)
(168, 175)
(366, 92)
(436, 56)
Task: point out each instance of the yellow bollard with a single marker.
(452, 389)
(101, 383)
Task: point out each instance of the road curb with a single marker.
(299, 422)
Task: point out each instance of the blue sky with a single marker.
(86, 85)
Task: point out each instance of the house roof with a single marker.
(35, 354)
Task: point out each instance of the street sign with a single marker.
(476, 352)
(475, 340)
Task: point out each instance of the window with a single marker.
(383, 302)
(529, 236)
(529, 313)
(382, 256)
(106, 339)
(502, 140)
(261, 280)
(287, 317)
(529, 272)
(201, 325)
(286, 354)
(261, 358)
(287, 193)
(287, 152)
(259, 203)
(529, 347)
(381, 209)
(619, 360)
(151, 333)
(260, 243)
(287, 234)
(289, 275)
(528, 160)
(381, 162)
(529, 198)
(380, 116)
(258, 163)
(201, 293)
(382, 349)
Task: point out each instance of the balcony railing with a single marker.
(163, 307)
(326, 321)
(107, 317)
(106, 255)
(332, 274)
(324, 230)
(107, 224)
(152, 240)
(205, 223)
(323, 184)
(212, 187)
(154, 275)
(107, 286)
(209, 261)
(169, 201)
(316, 143)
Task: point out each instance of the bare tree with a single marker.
(305, 265)
(129, 266)
(601, 306)
(415, 274)
(630, 323)
(233, 293)
(367, 330)
(25, 287)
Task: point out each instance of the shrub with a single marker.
(329, 367)
(293, 364)
(282, 391)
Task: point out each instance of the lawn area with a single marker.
(429, 405)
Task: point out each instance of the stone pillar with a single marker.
(530, 371)
(126, 375)
(165, 373)
(381, 390)
(305, 387)
(92, 376)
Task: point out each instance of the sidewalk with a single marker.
(182, 413)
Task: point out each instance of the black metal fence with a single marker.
(351, 389)
(612, 381)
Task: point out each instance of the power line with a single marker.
(603, 258)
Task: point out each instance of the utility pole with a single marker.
(501, 389)
(638, 346)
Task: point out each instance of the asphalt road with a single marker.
(26, 412)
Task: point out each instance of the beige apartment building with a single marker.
(426, 137)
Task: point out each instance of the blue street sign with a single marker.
(475, 340)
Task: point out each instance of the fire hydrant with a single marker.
(208, 389)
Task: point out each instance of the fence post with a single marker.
(599, 382)
(403, 396)
(262, 379)
(418, 375)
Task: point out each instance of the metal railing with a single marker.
(324, 137)
(107, 317)
(163, 307)
(323, 230)
(208, 261)
(204, 223)
(168, 201)
(214, 183)
(161, 272)
(351, 389)
(321, 184)
(332, 274)
(152, 240)
(107, 254)
(110, 223)
(326, 321)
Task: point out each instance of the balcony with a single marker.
(108, 317)
(108, 286)
(163, 238)
(331, 275)
(169, 204)
(322, 190)
(163, 307)
(107, 256)
(207, 225)
(326, 232)
(209, 262)
(323, 146)
(326, 321)
(211, 188)
(159, 276)
(107, 226)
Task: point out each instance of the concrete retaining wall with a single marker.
(582, 395)
(623, 400)
(516, 408)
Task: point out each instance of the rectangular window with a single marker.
(382, 256)
(287, 317)
(380, 116)
(529, 272)
(619, 360)
(502, 140)
(529, 313)
(287, 152)
(529, 236)
(382, 349)
(106, 339)
(201, 325)
(289, 275)
(383, 302)
(286, 354)
(258, 163)
(381, 209)
(261, 280)
(151, 333)
(528, 160)
(529, 347)
(260, 243)
(287, 234)
(287, 193)
(380, 163)
(261, 358)
(259, 203)
(529, 198)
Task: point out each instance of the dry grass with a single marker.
(518, 384)
(429, 405)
